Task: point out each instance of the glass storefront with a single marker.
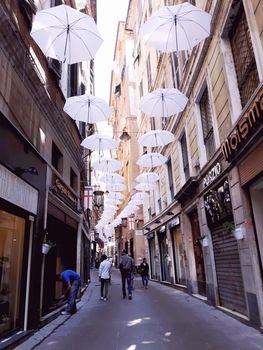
(12, 233)
(179, 256)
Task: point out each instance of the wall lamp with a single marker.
(147, 229)
(125, 136)
(158, 221)
(31, 170)
(170, 213)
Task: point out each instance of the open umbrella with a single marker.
(87, 108)
(163, 103)
(144, 187)
(66, 34)
(107, 165)
(147, 177)
(140, 196)
(155, 138)
(151, 160)
(176, 28)
(116, 187)
(99, 143)
(116, 196)
(112, 178)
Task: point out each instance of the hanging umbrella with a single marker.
(87, 108)
(144, 187)
(66, 34)
(107, 165)
(140, 196)
(99, 143)
(151, 160)
(155, 138)
(116, 196)
(147, 177)
(136, 202)
(176, 28)
(116, 187)
(163, 103)
(112, 178)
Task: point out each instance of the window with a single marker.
(141, 89)
(73, 80)
(175, 70)
(73, 180)
(117, 90)
(57, 158)
(153, 125)
(170, 177)
(28, 8)
(207, 124)
(82, 125)
(185, 157)
(55, 66)
(150, 6)
(149, 74)
(243, 56)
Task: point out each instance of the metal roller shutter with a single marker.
(228, 271)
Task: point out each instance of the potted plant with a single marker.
(228, 227)
(46, 246)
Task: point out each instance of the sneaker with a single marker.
(130, 297)
(105, 299)
(101, 298)
(65, 313)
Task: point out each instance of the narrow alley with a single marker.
(158, 318)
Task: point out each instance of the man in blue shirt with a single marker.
(72, 281)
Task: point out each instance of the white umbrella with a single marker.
(66, 34)
(140, 196)
(116, 187)
(87, 108)
(151, 160)
(155, 138)
(112, 178)
(147, 177)
(135, 201)
(176, 28)
(99, 143)
(107, 165)
(144, 187)
(116, 196)
(163, 103)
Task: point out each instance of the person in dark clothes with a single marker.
(71, 280)
(126, 267)
(144, 271)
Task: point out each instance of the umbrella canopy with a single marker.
(155, 138)
(163, 103)
(99, 143)
(144, 187)
(176, 28)
(66, 34)
(147, 177)
(112, 178)
(140, 196)
(151, 160)
(136, 202)
(107, 165)
(87, 108)
(116, 196)
(116, 187)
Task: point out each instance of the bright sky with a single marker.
(109, 13)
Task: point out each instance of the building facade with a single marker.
(202, 222)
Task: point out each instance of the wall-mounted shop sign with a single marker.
(64, 193)
(174, 222)
(245, 128)
(150, 235)
(212, 175)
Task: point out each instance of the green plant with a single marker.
(200, 238)
(228, 227)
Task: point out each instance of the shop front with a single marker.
(165, 259)
(153, 257)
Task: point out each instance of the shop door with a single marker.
(228, 271)
(153, 262)
(198, 253)
(165, 259)
(12, 235)
(179, 256)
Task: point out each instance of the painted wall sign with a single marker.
(64, 193)
(245, 128)
(212, 175)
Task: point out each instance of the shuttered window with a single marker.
(185, 157)
(170, 177)
(175, 70)
(243, 56)
(149, 74)
(207, 124)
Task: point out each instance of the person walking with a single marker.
(144, 271)
(104, 276)
(71, 280)
(126, 267)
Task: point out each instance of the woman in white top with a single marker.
(104, 275)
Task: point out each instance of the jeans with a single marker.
(145, 280)
(126, 275)
(71, 307)
(104, 284)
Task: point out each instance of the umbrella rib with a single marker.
(187, 12)
(55, 40)
(190, 20)
(173, 98)
(79, 37)
(63, 26)
(185, 36)
(53, 15)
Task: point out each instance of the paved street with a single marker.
(158, 318)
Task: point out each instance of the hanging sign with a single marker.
(212, 175)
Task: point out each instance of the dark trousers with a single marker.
(71, 307)
(126, 275)
(145, 280)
